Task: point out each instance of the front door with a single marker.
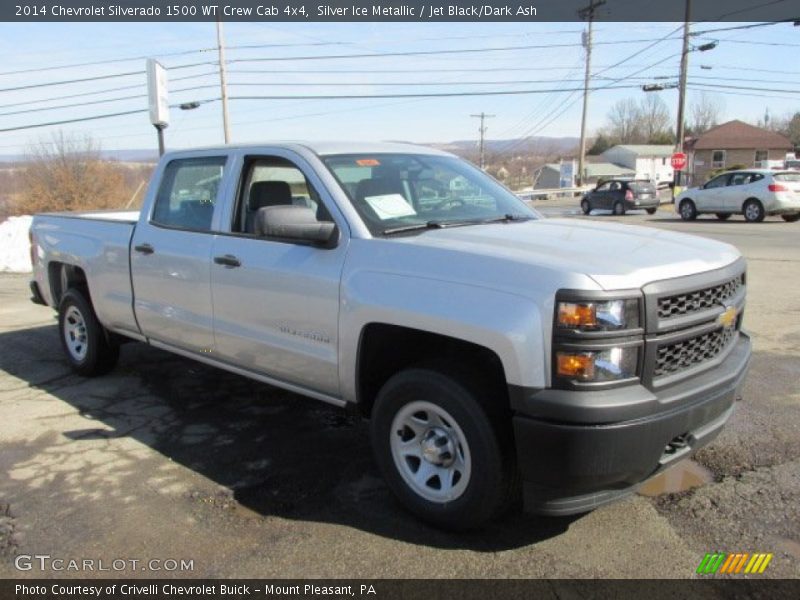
(171, 254)
(276, 303)
(711, 198)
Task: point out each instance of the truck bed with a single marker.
(98, 242)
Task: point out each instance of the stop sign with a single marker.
(678, 161)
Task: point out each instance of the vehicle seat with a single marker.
(266, 193)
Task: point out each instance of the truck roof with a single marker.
(326, 148)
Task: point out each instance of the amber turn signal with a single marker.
(575, 366)
(577, 315)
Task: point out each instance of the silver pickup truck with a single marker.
(498, 354)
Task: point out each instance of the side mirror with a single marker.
(295, 224)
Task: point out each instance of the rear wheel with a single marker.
(651, 211)
(753, 211)
(585, 206)
(83, 338)
(619, 208)
(687, 210)
(723, 216)
(443, 451)
(791, 218)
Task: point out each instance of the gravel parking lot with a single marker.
(167, 459)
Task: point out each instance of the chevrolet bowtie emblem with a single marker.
(727, 318)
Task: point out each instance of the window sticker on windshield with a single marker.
(368, 162)
(390, 206)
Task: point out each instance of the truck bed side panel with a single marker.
(101, 248)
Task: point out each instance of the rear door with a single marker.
(276, 303)
(741, 186)
(171, 254)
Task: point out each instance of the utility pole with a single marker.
(679, 129)
(223, 82)
(586, 13)
(483, 116)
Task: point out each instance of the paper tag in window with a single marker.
(390, 206)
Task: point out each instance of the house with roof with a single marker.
(647, 161)
(551, 175)
(731, 144)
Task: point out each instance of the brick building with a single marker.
(734, 143)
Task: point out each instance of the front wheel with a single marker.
(791, 218)
(83, 338)
(442, 453)
(585, 206)
(687, 210)
(753, 211)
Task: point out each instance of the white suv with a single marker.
(754, 193)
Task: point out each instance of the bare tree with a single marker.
(625, 122)
(68, 173)
(706, 112)
(655, 117)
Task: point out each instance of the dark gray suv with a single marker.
(621, 195)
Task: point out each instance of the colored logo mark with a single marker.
(734, 563)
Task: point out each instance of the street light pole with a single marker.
(588, 14)
(679, 130)
(223, 82)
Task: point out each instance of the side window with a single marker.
(188, 193)
(740, 179)
(604, 188)
(274, 181)
(719, 181)
(615, 186)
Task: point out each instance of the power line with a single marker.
(737, 27)
(424, 95)
(426, 52)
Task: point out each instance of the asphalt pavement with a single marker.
(168, 459)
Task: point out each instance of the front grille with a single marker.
(671, 358)
(690, 302)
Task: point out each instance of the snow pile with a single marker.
(14, 245)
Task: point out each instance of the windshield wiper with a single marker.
(507, 218)
(415, 227)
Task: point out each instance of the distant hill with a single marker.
(534, 145)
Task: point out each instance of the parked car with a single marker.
(620, 195)
(754, 193)
(498, 354)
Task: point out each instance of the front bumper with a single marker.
(573, 460)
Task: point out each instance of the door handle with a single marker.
(144, 248)
(228, 260)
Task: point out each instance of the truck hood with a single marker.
(616, 256)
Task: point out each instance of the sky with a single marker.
(625, 55)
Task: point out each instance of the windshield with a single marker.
(397, 191)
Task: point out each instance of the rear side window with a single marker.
(188, 193)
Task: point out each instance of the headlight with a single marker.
(595, 366)
(605, 315)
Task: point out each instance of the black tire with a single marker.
(791, 218)
(651, 211)
(687, 210)
(619, 208)
(490, 485)
(96, 355)
(723, 216)
(753, 211)
(585, 206)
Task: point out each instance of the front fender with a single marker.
(509, 325)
